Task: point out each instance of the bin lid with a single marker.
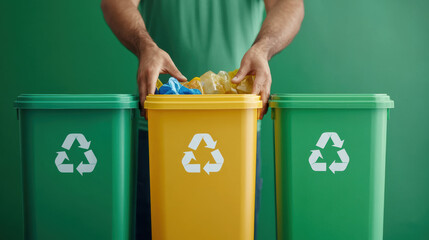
(204, 101)
(76, 101)
(331, 101)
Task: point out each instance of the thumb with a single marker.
(242, 72)
(173, 71)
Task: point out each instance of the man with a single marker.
(199, 35)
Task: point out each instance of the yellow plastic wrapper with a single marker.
(195, 83)
(246, 85)
(158, 84)
(232, 73)
(211, 83)
(225, 81)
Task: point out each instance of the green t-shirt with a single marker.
(203, 35)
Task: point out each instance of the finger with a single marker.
(265, 97)
(151, 78)
(261, 86)
(266, 94)
(242, 72)
(173, 71)
(142, 91)
(142, 95)
(258, 84)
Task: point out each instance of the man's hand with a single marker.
(152, 62)
(255, 62)
(127, 24)
(283, 21)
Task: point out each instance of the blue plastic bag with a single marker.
(174, 87)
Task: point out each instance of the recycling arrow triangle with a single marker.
(189, 155)
(62, 155)
(336, 166)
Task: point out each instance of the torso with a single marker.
(202, 35)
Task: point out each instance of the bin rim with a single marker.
(76, 101)
(204, 101)
(299, 100)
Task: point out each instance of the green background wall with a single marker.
(344, 47)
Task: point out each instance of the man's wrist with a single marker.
(144, 45)
(262, 48)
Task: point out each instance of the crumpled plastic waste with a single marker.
(158, 84)
(209, 83)
(246, 85)
(221, 83)
(225, 81)
(232, 74)
(174, 87)
(195, 83)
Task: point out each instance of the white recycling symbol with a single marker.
(89, 154)
(189, 155)
(316, 154)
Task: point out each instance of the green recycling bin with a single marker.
(330, 153)
(79, 165)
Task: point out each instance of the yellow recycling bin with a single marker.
(202, 155)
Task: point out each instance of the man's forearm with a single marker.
(282, 23)
(124, 18)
